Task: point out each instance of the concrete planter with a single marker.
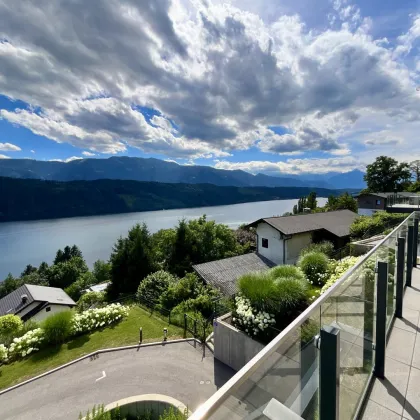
(231, 346)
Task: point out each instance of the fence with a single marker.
(321, 365)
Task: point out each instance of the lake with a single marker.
(32, 242)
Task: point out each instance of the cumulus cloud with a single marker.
(32, 151)
(295, 166)
(85, 153)
(8, 147)
(4, 157)
(215, 76)
(67, 160)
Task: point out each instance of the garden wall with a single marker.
(231, 346)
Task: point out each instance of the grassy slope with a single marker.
(124, 333)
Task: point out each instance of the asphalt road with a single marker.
(177, 370)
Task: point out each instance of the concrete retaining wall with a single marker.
(231, 346)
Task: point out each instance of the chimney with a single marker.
(24, 298)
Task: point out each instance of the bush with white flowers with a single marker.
(3, 354)
(249, 319)
(27, 344)
(337, 269)
(93, 319)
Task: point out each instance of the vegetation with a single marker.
(10, 325)
(315, 267)
(52, 199)
(309, 202)
(365, 226)
(325, 247)
(124, 333)
(89, 300)
(342, 202)
(152, 287)
(57, 328)
(385, 174)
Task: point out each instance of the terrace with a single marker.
(352, 354)
(397, 203)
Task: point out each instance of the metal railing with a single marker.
(397, 200)
(326, 378)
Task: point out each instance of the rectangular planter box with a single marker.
(231, 346)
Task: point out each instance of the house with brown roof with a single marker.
(280, 239)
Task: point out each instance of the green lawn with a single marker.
(124, 333)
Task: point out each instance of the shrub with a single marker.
(289, 293)
(152, 286)
(287, 271)
(3, 354)
(325, 247)
(93, 319)
(315, 267)
(337, 269)
(25, 345)
(258, 288)
(375, 224)
(10, 325)
(90, 299)
(57, 328)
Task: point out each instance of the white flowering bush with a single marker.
(93, 319)
(3, 354)
(249, 319)
(337, 269)
(27, 344)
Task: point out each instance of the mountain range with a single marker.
(156, 170)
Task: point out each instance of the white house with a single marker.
(35, 302)
(280, 239)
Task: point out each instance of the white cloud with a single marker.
(295, 166)
(85, 153)
(4, 157)
(8, 147)
(67, 160)
(218, 76)
(384, 137)
(32, 151)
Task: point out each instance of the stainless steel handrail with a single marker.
(242, 375)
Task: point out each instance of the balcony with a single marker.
(396, 203)
(352, 354)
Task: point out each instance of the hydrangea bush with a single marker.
(27, 344)
(93, 319)
(249, 319)
(3, 354)
(337, 269)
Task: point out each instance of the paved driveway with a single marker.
(177, 370)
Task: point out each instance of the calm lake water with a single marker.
(23, 243)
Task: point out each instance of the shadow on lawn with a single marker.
(78, 341)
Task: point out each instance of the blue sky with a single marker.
(268, 86)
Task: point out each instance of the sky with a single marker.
(272, 86)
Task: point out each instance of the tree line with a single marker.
(136, 256)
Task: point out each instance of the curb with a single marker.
(109, 350)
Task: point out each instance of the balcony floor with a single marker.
(398, 395)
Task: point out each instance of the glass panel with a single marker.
(288, 375)
(351, 309)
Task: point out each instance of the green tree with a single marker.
(132, 260)
(101, 271)
(35, 278)
(311, 201)
(180, 257)
(28, 270)
(9, 284)
(152, 287)
(415, 168)
(67, 254)
(65, 273)
(385, 174)
(75, 290)
(342, 202)
(163, 242)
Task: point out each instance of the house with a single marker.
(223, 274)
(370, 203)
(35, 302)
(281, 239)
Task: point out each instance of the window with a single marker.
(48, 309)
(378, 202)
(264, 243)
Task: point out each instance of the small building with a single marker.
(100, 287)
(223, 274)
(369, 203)
(281, 239)
(35, 302)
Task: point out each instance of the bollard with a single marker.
(165, 334)
(141, 335)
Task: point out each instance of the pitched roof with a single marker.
(223, 274)
(12, 303)
(337, 222)
(387, 194)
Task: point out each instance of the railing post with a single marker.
(381, 301)
(409, 268)
(329, 374)
(400, 278)
(415, 241)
